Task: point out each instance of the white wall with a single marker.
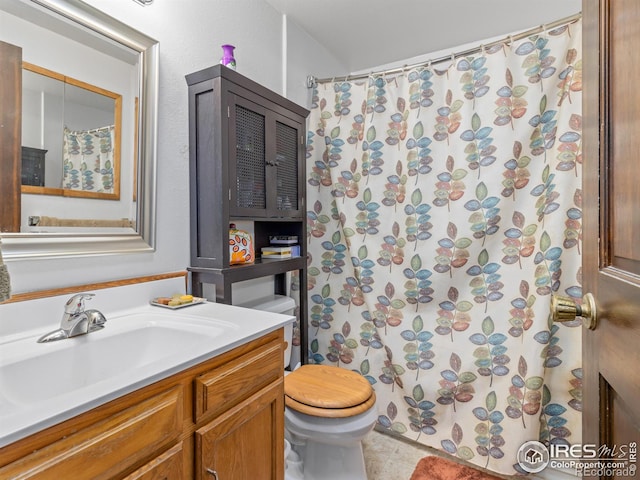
(305, 56)
(562, 10)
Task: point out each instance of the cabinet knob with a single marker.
(213, 473)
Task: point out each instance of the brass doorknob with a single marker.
(564, 309)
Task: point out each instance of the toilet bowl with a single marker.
(328, 411)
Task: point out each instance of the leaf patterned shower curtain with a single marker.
(444, 210)
(87, 159)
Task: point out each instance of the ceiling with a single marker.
(364, 34)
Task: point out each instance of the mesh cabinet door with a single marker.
(286, 163)
(250, 167)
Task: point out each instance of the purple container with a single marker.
(227, 56)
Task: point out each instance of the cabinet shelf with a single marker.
(261, 268)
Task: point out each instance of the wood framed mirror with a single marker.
(71, 133)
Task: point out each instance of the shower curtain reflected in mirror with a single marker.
(444, 209)
(87, 159)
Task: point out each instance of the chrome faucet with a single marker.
(76, 320)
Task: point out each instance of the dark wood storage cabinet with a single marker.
(33, 161)
(246, 161)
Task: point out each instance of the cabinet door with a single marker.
(246, 442)
(265, 161)
(285, 198)
(247, 158)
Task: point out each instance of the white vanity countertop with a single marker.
(235, 326)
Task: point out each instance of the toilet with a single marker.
(328, 411)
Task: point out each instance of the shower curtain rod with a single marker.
(313, 81)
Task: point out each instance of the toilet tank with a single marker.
(276, 304)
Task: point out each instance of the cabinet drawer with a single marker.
(167, 466)
(225, 386)
(104, 449)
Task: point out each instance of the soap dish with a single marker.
(195, 301)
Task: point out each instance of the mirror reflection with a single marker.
(70, 136)
(75, 206)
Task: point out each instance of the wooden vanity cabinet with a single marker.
(225, 415)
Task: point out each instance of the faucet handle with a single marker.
(96, 320)
(76, 303)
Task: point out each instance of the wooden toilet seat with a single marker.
(327, 391)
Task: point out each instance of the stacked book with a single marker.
(282, 246)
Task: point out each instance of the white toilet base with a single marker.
(332, 462)
(293, 463)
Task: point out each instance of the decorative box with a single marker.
(240, 246)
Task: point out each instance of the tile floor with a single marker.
(391, 458)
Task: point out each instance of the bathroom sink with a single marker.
(42, 384)
(126, 348)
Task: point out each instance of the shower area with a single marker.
(444, 211)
